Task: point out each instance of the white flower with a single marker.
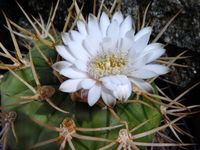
(108, 59)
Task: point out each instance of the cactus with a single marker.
(36, 115)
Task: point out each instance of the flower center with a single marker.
(107, 64)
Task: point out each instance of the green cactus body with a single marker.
(30, 133)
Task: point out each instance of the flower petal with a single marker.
(70, 86)
(81, 27)
(140, 59)
(130, 34)
(87, 83)
(118, 17)
(76, 36)
(109, 82)
(119, 85)
(66, 38)
(143, 34)
(154, 54)
(141, 84)
(94, 94)
(80, 65)
(78, 51)
(73, 73)
(60, 65)
(136, 61)
(104, 23)
(126, 44)
(113, 32)
(124, 90)
(153, 46)
(107, 44)
(64, 52)
(93, 27)
(141, 39)
(143, 74)
(91, 45)
(125, 26)
(107, 97)
(158, 69)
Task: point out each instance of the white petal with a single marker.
(107, 97)
(66, 38)
(133, 54)
(141, 39)
(81, 27)
(93, 27)
(143, 74)
(141, 84)
(153, 51)
(126, 44)
(124, 90)
(78, 51)
(158, 69)
(130, 34)
(118, 17)
(104, 23)
(76, 36)
(154, 54)
(107, 44)
(117, 79)
(136, 61)
(109, 82)
(87, 83)
(119, 85)
(113, 32)
(91, 45)
(126, 26)
(60, 65)
(64, 52)
(145, 32)
(80, 65)
(73, 73)
(94, 94)
(71, 85)
(153, 46)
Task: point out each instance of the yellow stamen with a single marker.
(107, 64)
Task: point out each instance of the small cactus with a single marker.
(37, 115)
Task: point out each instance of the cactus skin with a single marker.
(30, 133)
